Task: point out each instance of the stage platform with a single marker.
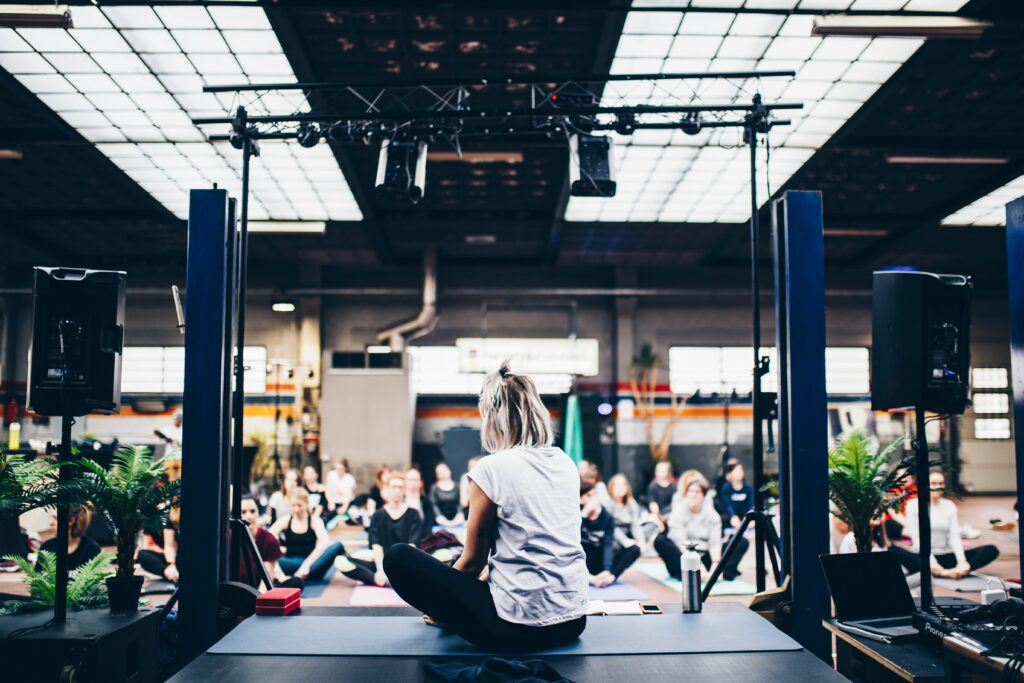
(737, 664)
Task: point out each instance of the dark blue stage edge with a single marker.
(1015, 279)
(207, 287)
(803, 410)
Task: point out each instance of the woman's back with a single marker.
(538, 572)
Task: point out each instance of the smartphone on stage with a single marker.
(650, 609)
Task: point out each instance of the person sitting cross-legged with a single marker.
(394, 524)
(693, 522)
(605, 562)
(524, 527)
(309, 551)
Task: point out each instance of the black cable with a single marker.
(22, 631)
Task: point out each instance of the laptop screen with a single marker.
(867, 585)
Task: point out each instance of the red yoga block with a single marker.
(278, 602)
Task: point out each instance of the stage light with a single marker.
(591, 170)
(35, 16)
(691, 124)
(308, 134)
(281, 305)
(402, 169)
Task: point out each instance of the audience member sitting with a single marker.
(317, 491)
(605, 562)
(896, 518)
(661, 491)
(266, 543)
(736, 495)
(446, 497)
(695, 523)
(376, 491)
(280, 503)
(464, 486)
(630, 525)
(164, 562)
(81, 548)
(592, 473)
(418, 501)
(308, 550)
(949, 559)
(341, 488)
(394, 524)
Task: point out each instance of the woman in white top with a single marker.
(280, 503)
(341, 488)
(949, 559)
(524, 511)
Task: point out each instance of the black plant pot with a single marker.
(124, 593)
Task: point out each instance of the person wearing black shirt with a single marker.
(737, 495)
(418, 501)
(605, 563)
(661, 490)
(165, 562)
(309, 551)
(444, 494)
(81, 548)
(394, 524)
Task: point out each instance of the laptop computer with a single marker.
(870, 593)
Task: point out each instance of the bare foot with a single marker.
(430, 621)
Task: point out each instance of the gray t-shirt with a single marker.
(538, 572)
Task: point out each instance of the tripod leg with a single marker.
(730, 550)
(773, 547)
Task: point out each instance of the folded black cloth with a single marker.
(496, 670)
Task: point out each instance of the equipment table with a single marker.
(864, 659)
(722, 666)
(963, 660)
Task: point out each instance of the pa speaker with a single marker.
(77, 341)
(920, 341)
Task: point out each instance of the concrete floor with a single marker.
(976, 511)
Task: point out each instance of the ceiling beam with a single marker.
(294, 48)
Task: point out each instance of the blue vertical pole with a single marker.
(203, 502)
(1015, 279)
(804, 416)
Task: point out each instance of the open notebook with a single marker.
(614, 607)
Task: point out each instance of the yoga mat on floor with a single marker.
(375, 596)
(620, 590)
(968, 584)
(734, 630)
(721, 587)
(160, 587)
(314, 589)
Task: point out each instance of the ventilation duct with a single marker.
(396, 336)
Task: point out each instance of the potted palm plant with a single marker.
(132, 494)
(864, 482)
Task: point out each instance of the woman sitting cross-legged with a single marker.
(524, 511)
(394, 524)
(691, 521)
(309, 551)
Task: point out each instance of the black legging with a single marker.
(976, 557)
(153, 562)
(622, 560)
(671, 556)
(463, 604)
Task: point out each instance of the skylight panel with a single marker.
(835, 76)
(130, 80)
(990, 210)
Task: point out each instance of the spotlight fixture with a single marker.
(35, 16)
(282, 305)
(308, 134)
(591, 171)
(625, 124)
(402, 169)
(691, 124)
